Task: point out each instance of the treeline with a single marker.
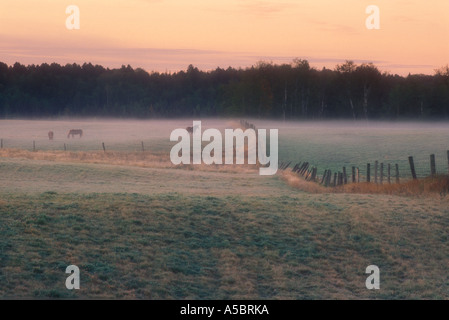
(266, 90)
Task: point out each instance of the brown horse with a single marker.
(192, 129)
(74, 132)
(50, 135)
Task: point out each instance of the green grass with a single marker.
(173, 246)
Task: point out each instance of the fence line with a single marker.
(340, 177)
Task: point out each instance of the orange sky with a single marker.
(168, 35)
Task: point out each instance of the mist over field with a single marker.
(140, 227)
(326, 144)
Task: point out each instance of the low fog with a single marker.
(326, 144)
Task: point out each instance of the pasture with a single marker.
(139, 227)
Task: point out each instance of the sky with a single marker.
(168, 35)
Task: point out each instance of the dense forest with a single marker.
(266, 90)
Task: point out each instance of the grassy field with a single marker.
(138, 227)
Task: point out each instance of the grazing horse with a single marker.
(73, 132)
(191, 129)
(50, 135)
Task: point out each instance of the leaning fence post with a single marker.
(368, 173)
(412, 167)
(324, 176)
(397, 173)
(433, 170)
(104, 148)
(314, 170)
(308, 174)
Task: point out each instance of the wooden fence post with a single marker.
(353, 174)
(308, 174)
(412, 167)
(382, 173)
(296, 167)
(324, 176)
(34, 145)
(143, 148)
(329, 175)
(389, 173)
(376, 165)
(433, 170)
(368, 173)
(397, 173)
(65, 148)
(327, 180)
(303, 171)
(314, 170)
(335, 179)
(300, 168)
(104, 148)
(447, 161)
(2, 146)
(358, 175)
(345, 176)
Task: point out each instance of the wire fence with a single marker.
(411, 167)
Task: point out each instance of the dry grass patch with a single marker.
(145, 159)
(430, 186)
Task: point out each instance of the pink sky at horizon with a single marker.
(168, 35)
